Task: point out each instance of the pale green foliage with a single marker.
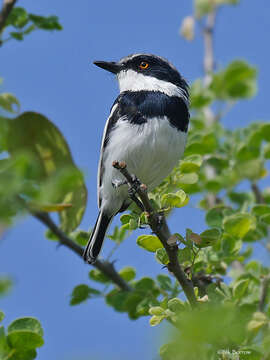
(20, 340)
(222, 167)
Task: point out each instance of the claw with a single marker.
(117, 183)
(134, 187)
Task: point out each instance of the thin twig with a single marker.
(208, 45)
(264, 290)
(257, 192)
(160, 228)
(6, 9)
(105, 267)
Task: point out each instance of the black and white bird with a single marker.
(147, 129)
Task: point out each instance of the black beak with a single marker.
(113, 67)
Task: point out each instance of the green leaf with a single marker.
(200, 95)
(266, 151)
(203, 7)
(266, 219)
(204, 144)
(149, 242)
(250, 169)
(9, 103)
(161, 256)
(259, 210)
(18, 18)
(117, 299)
(35, 134)
(16, 35)
(4, 126)
(128, 273)
(25, 333)
(5, 350)
(191, 163)
(238, 80)
(265, 132)
(248, 152)
(230, 245)
(119, 234)
(51, 236)
(81, 237)
(214, 216)
(189, 178)
(240, 288)
(134, 302)
(5, 285)
(165, 282)
(125, 218)
(177, 199)
(176, 305)
(2, 316)
(184, 255)
(239, 224)
(45, 23)
(79, 294)
(208, 238)
(259, 320)
(98, 276)
(144, 284)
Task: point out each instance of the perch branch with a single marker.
(6, 9)
(160, 228)
(105, 267)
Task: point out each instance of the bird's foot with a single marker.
(116, 183)
(132, 190)
(135, 185)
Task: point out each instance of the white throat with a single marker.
(130, 80)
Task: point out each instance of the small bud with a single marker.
(156, 310)
(203, 299)
(122, 165)
(172, 241)
(187, 28)
(143, 187)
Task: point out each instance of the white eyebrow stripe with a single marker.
(130, 80)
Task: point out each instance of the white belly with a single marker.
(150, 150)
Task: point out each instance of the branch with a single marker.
(6, 9)
(160, 228)
(208, 45)
(257, 192)
(104, 266)
(264, 290)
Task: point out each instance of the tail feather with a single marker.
(95, 242)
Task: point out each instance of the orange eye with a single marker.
(144, 65)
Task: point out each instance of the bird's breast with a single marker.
(151, 150)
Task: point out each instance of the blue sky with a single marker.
(52, 73)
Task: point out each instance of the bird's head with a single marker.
(146, 72)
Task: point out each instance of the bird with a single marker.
(147, 129)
